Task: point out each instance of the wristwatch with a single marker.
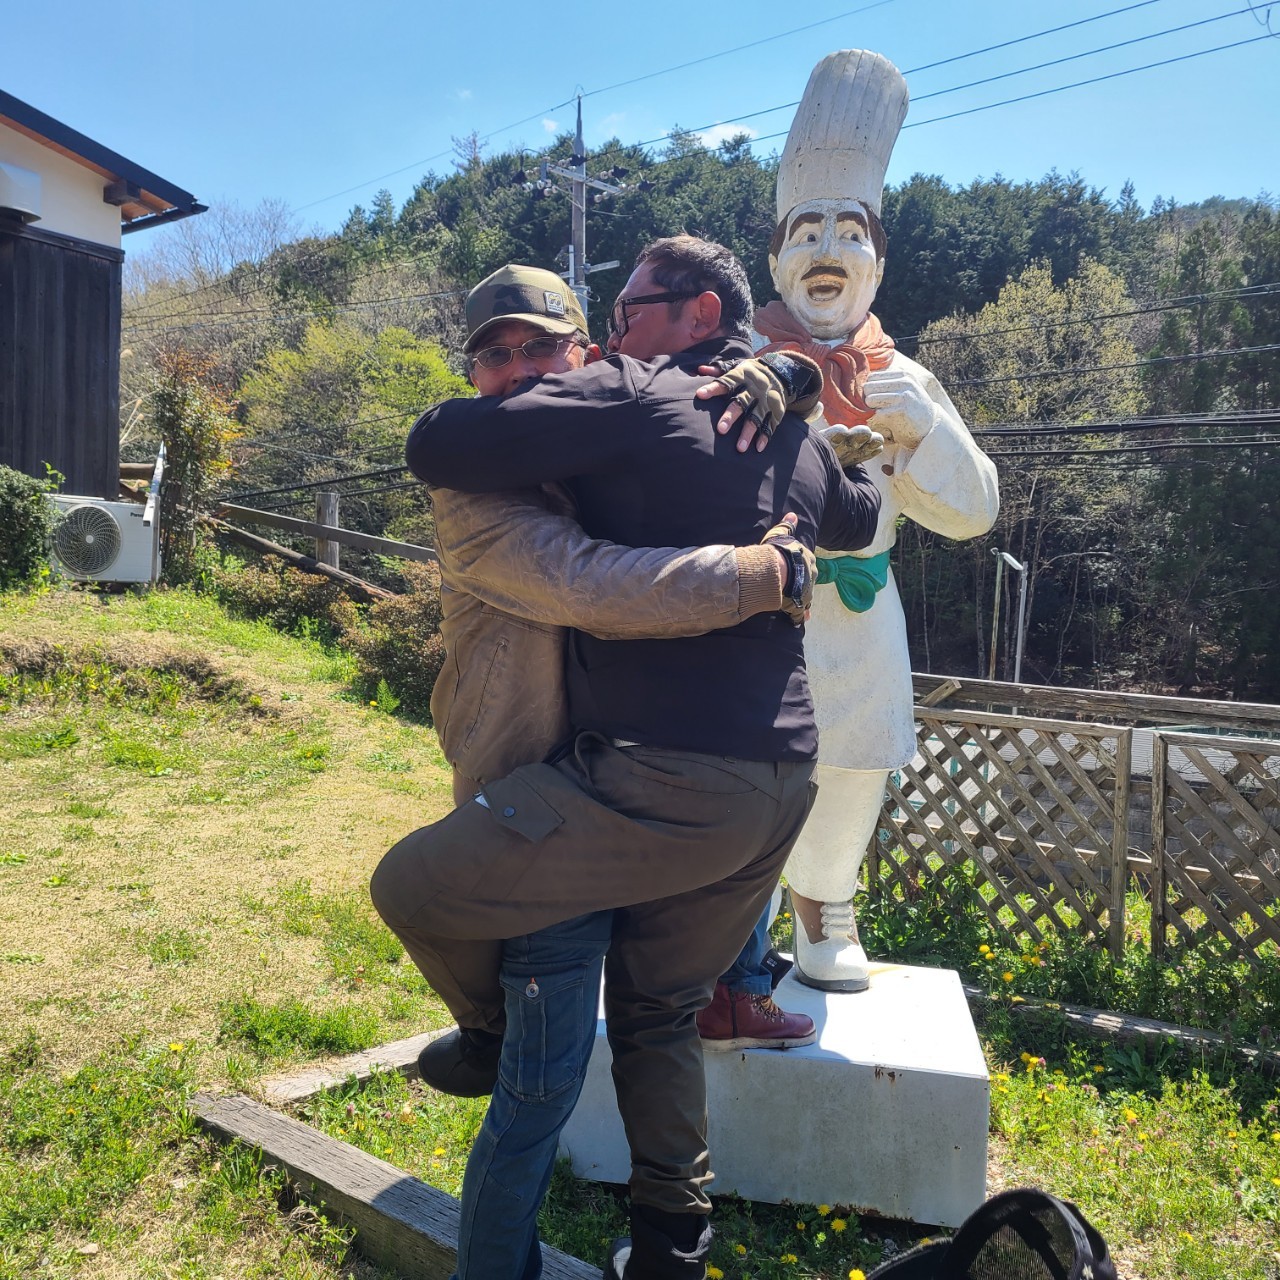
(796, 586)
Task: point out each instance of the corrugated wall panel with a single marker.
(60, 358)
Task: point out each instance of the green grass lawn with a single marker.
(192, 806)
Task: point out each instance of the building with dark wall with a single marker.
(65, 203)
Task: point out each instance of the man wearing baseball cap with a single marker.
(517, 569)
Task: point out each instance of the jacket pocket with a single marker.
(518, 807)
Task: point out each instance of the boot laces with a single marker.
(767, 1007)
(837, 920)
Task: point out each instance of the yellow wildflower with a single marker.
(788, 1257)
(1007, 976)
(1275, 1137)
(1098, 1069)
(177, 1047)
(983, 949)
(857, 1274)
(714, 1273)
(740, 1250)
(799, 1226)
(1025, 1057)
(838, 1225)
(1130, 1116)
(823, 1210)
(439, 1151)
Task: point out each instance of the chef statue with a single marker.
(827, 260)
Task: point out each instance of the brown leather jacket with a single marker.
(517, 570)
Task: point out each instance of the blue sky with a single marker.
(315, 104)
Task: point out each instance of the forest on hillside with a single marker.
(1121, 364)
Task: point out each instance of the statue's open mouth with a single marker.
(825, 285)
(825, 282)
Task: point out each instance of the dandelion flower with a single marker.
(857, 1274)
(439, 1151)
(799, 1226)
(1275, 1137)
(1007, 976)
(1098, 1068)
(1130, 1116)
(177, 1047)
(838, 1225)
(983, 949)
(714, 1273)
(740, 1250)
(823, 1210)
(1025, 1057)
(788, 1257)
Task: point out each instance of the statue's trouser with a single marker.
(827, 857)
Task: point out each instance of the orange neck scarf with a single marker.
(844, 368)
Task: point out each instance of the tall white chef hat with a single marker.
(843, 132)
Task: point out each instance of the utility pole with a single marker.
(578, 232)
(575, 173)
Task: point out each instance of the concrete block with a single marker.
(886, 1113)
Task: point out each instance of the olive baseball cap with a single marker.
(522, 293)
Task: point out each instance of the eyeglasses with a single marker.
(620, 321)
(541, 348)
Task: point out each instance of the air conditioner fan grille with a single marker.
(87, 540)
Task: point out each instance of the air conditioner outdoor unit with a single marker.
(100, 541)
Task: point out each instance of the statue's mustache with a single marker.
(828, 269)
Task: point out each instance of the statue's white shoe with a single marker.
(838, 962)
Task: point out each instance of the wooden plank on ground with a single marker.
(401, 1223)
(398, 1055)
(331, 533)
(1128, 1029)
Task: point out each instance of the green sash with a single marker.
(856, 580)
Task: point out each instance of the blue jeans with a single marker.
(747, 974)
(551, 981)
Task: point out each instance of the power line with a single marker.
(1156, 306)
(1243, 442)
(318, 484)
(972, 54)
(1264, 418)
(1106, 368)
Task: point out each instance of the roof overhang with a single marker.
(143, 198)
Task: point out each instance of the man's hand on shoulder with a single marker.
(764, 389)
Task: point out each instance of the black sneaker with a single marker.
(615, 1265)
(463, 1063)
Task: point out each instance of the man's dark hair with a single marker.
(687, 264)
(875, 228)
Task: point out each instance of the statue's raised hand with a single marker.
(904, 412)
(853, 445)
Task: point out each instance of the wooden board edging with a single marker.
(401, 1223)
(396, 1055)
(1129, 1029)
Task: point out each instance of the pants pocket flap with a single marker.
(518, 807)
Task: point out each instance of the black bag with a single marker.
(1018, 1235)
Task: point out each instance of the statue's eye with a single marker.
(811, 238)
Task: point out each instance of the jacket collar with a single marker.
(714, 349)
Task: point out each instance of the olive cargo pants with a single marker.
(690, 845)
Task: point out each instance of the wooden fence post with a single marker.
(1120, 844)
(1159, 891)
(327, 513)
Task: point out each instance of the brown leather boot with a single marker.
(740, 1020)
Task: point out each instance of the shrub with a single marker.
(290, 600)
(401, 644)
(26, 525)
(194, 418)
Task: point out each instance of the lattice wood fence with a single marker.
(1038, 808)
(1215, 842)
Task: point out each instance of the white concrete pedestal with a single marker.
(887, 1113)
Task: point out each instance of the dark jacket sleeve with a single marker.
(853, 505)
(567, 424)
